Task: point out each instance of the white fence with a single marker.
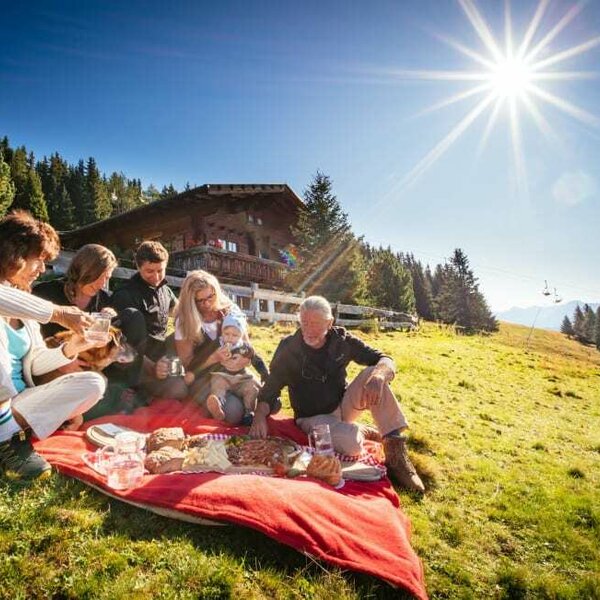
(272, 306)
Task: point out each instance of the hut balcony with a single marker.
(230, 267)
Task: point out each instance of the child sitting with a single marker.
(241, 383)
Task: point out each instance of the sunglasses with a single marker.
(204, 300)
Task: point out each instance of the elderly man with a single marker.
(312, 364)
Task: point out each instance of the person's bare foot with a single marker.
(73, 424)
(214, 407)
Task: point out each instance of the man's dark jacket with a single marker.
(316, 379)
(154, 303)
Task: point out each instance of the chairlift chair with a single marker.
(546, 291)
(557, 298)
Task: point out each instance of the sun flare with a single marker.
(509, 79)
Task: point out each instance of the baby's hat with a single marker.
(233, 320)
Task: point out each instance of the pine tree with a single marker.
(134, 193)
(344, 279)
(33, 190)
(168, 192)
(437, 280)
(151, 194)
(328, 250)
(6, 150)
(459, 300)
(390, 282)
(117, 190)
(60, 205)
(28, 187)
(18, 173)
(98, 204)
(77, 191)
(323, 222)
(578, 327)
(7, 187)
(65, 221)
(589, 324)
(421, 288)
(566, 327)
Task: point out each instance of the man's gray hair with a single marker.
(318, 304)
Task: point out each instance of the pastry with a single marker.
(326, 468)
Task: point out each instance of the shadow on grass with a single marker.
(247, 547)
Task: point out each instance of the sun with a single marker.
(508, 78)
(511, 78)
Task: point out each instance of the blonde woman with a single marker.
(198, 321)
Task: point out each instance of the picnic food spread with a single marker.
(169, 449)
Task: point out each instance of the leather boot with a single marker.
(399, 464)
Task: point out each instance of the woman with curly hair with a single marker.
(25, 245)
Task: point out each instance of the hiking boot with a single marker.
(18, 459)
(370, 433)
(399, 465)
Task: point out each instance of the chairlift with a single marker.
(557, 298)
(546, 291)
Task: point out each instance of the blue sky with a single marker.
(271, 91)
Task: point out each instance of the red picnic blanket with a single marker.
(359, 527)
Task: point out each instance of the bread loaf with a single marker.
(166, 436)
(164, 460)
(326, 468)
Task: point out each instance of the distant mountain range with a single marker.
(550, 317)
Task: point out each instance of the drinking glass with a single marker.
(320, 439)
(98, 331)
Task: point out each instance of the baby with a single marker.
(241, 383)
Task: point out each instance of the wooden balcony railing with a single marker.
(230, 266)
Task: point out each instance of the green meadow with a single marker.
(505, 432)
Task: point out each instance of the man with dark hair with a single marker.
(148, 292)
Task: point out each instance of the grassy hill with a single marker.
(506, 435)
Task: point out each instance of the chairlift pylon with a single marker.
(546, 291)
